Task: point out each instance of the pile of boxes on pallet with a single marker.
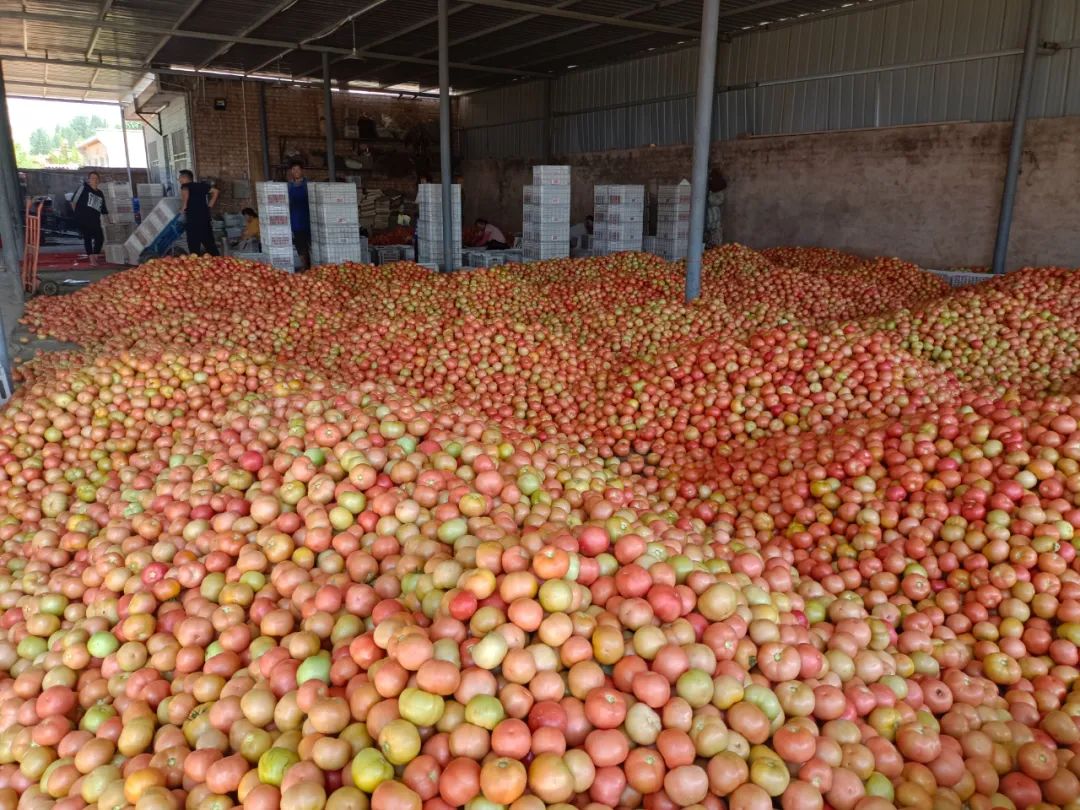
(672, 221)
(618, 218)
(119, 223)
(149, 194)
(335, 224)
(159, 229)
(376, 207)
(275, 228)
(429, 227)
(545, 214)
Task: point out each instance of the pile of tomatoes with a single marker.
(544, 537)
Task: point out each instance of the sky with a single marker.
(27, 114)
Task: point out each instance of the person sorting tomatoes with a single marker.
(489, 237)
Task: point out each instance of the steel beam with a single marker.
(264, 126)
(127, 155)
(552, 11)
(105, 7)
(170, 34)
(146, 28)
(325, 32)
(397, 33)
(1016, 146)
(446, 177)
(39, 85)
(483, 32)
(699, 177)
(580, 29)
(328, 118)
(259, 22)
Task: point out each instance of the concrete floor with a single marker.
(23, 344)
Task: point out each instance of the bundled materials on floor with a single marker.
(275, 225)
(618, 218)
(672, 221)
(335, 224)
(545, 217)
(378, 209)
(429, 226)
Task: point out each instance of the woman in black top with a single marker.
(89, 205)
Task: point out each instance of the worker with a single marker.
(196, 200)
(89, 205)
(581, 229)
(490, 237)
(299, 215)
(249, 238)
(714, 211)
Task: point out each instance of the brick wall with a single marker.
(228, 143)
(930, 194)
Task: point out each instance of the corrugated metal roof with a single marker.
(484, 35)
(886, 64)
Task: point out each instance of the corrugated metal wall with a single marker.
(910, 62)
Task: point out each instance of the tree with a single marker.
(24, 160)
(40, 142)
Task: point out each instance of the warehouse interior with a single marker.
(879, 125)
(541, 405)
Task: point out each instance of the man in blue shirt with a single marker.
(299, 215)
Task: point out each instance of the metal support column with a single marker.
(445, 176)
(9, 170)
(127, 155)
(549, 149)
(699, 179)
(10, 235)
(1016, 146)
(328, 114)
(265, 132)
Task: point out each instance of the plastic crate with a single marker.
(538, 251)
(531, 212)
(332, 193)
(673, 193)
(115, 254)
(334, 214)
(617, 232)
(274, 217)
(961, 278)
(118, 232)
(336, 254)
(389, 253)
(150, 190)
(545, 232)
(619, 195)
(272, 194)
(334, 234)
(679, 230)
(619, 215)
(551, 175)
(546, 195)
(276, 240)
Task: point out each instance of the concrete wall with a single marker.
(930, 194)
